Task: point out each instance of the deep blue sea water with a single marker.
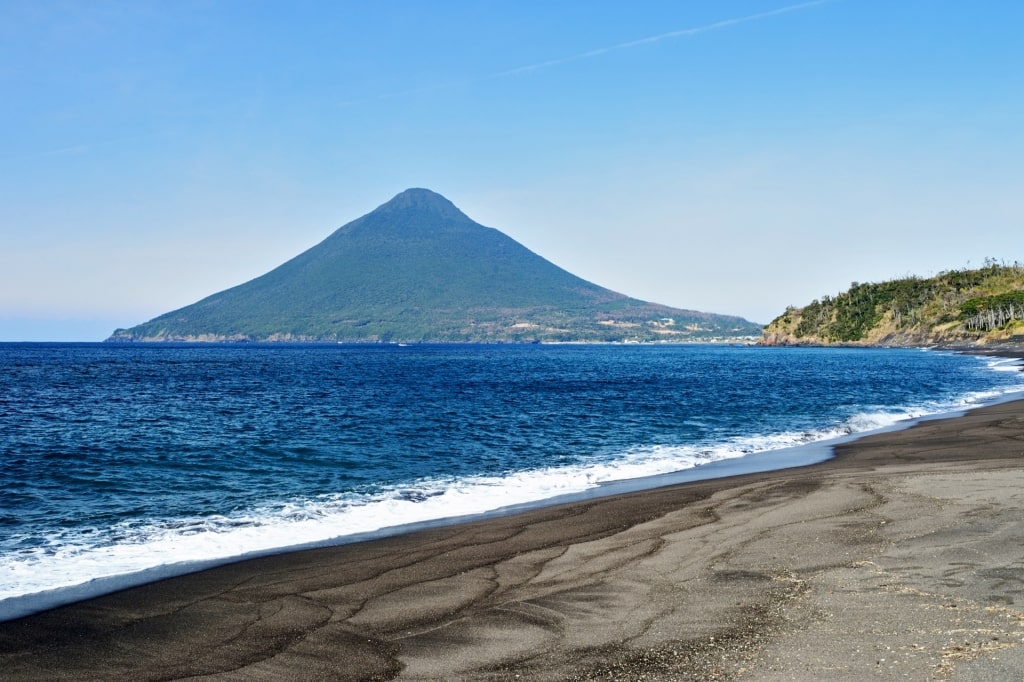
(118, 459)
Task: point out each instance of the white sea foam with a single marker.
(1001, 364)
(74, 558)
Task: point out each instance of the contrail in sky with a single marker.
(725, 23)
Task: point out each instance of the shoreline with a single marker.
(765, 461)
(901, 555)
(12, 608)
(20, 606)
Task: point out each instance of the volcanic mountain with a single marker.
(417, 269)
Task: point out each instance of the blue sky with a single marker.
(728, 156)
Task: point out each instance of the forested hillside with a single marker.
(983, 305)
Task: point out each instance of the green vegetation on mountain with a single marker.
(984, 305)
(417, 269)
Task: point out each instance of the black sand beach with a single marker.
(901, 558)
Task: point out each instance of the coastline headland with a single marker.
(901, 556)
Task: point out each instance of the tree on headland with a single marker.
(954, 306)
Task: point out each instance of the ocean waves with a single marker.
(560, 423)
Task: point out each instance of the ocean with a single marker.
(121, 464)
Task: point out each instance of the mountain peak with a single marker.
(419, 195)
(422, 203)
(418, 269)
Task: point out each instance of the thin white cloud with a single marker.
(82, 148)
(682, 33)
(63, 151)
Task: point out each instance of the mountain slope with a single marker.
(983, 306)
(418, 269)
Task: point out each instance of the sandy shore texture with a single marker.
(902, 558)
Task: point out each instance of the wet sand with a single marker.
(902, 558)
